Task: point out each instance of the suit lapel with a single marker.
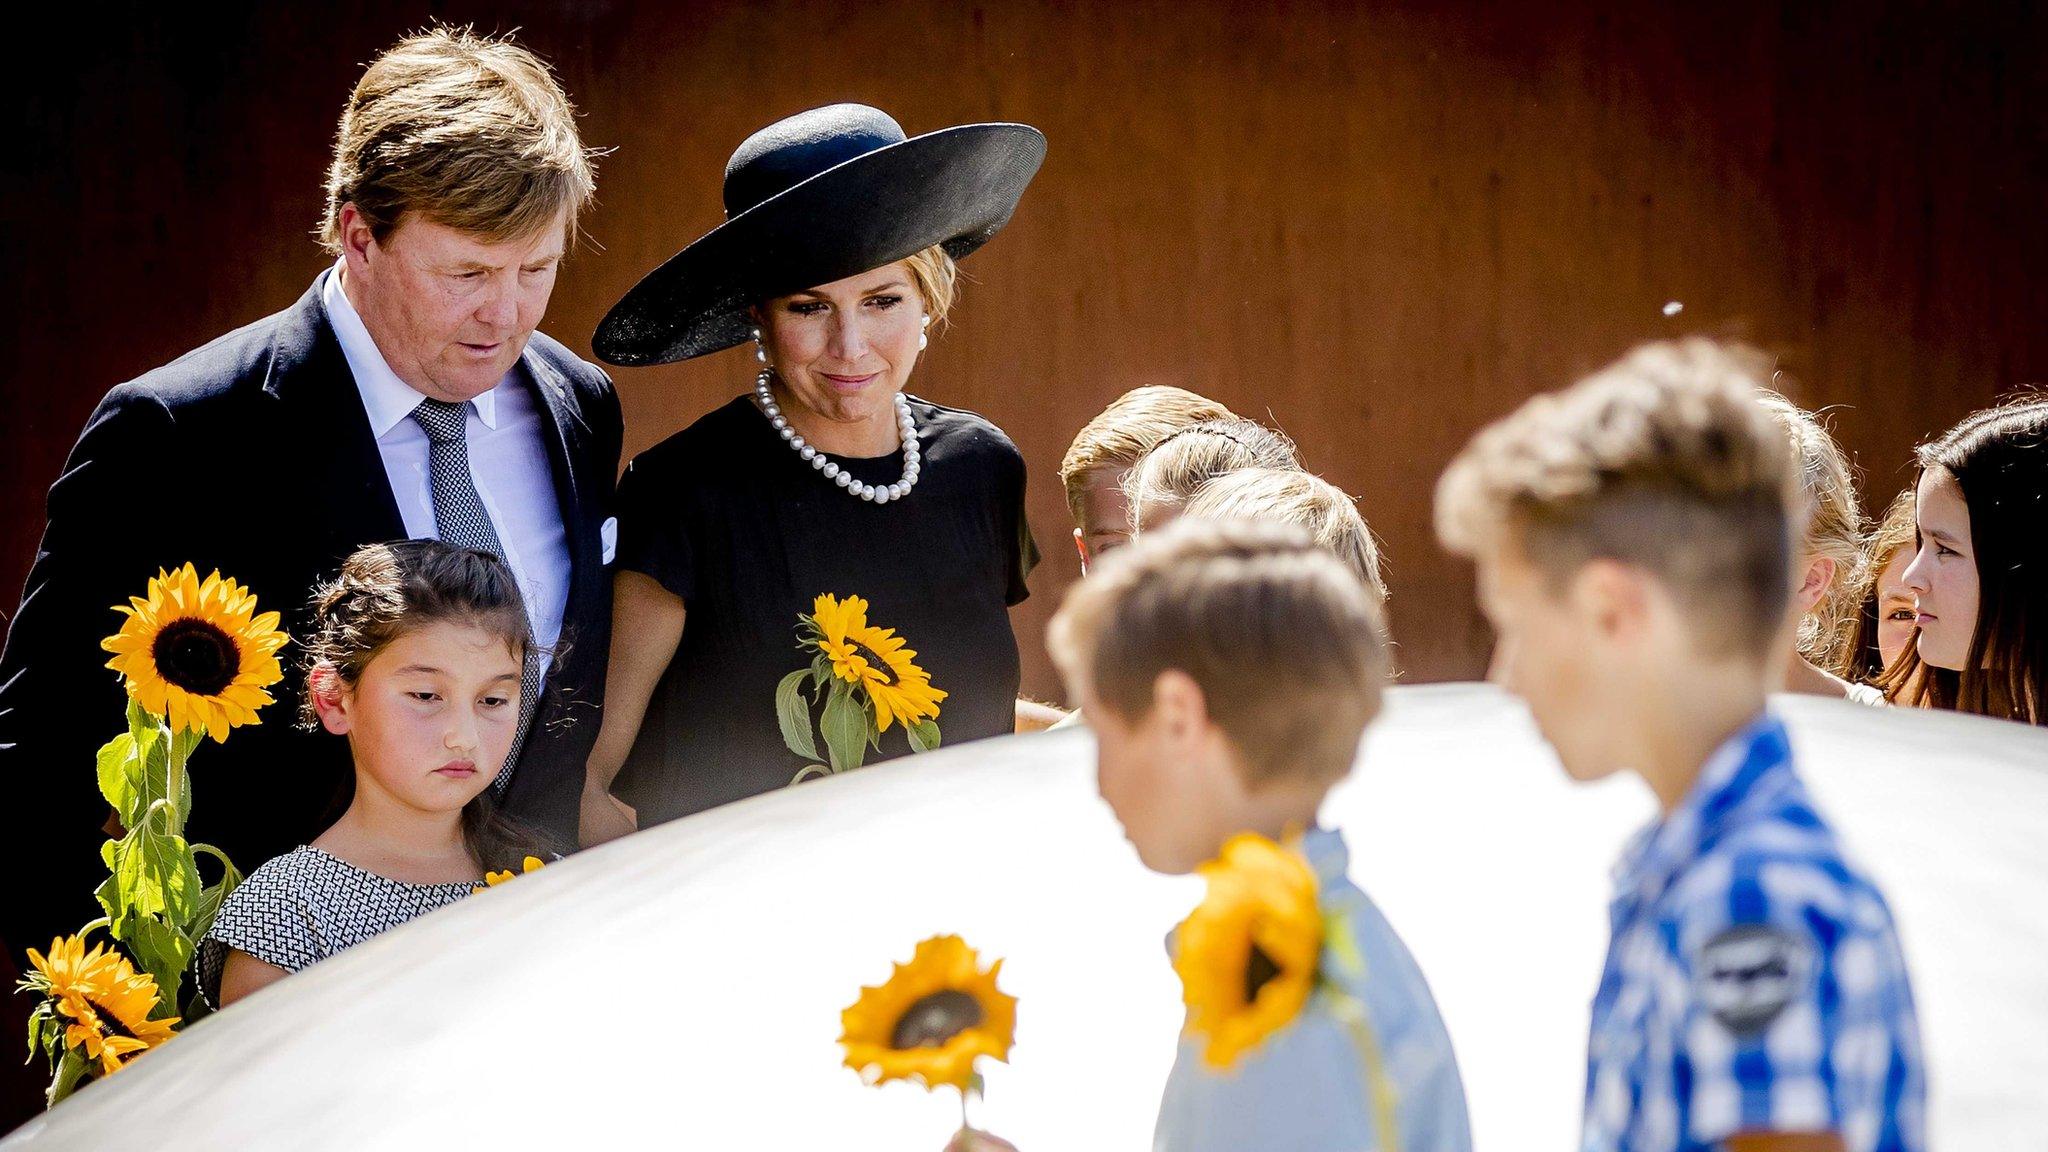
(327, 433)
(564, 425)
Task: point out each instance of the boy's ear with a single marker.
(1178, 704)
(1612, 599)
(1081, 546)
(330, 699)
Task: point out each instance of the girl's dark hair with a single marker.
(1999, 457)
(387, 590)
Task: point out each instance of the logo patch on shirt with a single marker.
(1749, 974)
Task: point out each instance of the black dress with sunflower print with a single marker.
(748, 534)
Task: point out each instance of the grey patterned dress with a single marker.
(305, 906)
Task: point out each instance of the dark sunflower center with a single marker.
(937, 1018)
(875, 661)
(196, 656)
(1259, 971)
(110, 1023)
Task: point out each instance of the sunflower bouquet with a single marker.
(931, 1020)
(1259, 949)
(196, 658)
(866, 678)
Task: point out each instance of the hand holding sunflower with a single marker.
(868, 679)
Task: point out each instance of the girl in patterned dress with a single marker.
(415, 658)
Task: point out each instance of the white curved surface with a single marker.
(682, 987)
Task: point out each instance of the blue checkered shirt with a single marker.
(1754, 982)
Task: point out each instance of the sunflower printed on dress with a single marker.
(899, 688)
(493, 879)
(196, 653)
(931, 1020)
(1247, 956)
(866, 678)
(98, 1001)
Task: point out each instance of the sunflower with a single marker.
(105, 1002)
(931, 1020)
(196, 653)
(1247, 955)
(876, 659)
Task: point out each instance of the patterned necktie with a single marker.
(460, 519)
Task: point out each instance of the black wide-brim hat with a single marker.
(819, 197)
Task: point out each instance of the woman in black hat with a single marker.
(836, 263)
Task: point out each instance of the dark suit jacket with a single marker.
(253, 455)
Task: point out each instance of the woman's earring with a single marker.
(924, 338)
(760, 351)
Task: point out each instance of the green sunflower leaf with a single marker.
(118, 784)
(845, 728)
(794, 714)
(924, 735)
(163, 952)
(211, 897)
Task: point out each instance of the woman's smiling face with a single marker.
(844, 350)
(1943, 573)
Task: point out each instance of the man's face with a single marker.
(451, 312)
(1105, 522)
(1549, 651)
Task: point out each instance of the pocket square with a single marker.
(608, 536)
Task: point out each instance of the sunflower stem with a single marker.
(174, 779)
(70, 1072)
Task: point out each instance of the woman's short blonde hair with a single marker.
(471, 132)
(1834, 528)
(938, 280)
(1290, 496)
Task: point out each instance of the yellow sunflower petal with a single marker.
(942, 966)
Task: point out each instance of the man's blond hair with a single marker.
(1123, 432)
(1664, 460)
(1286, 643)
(470, 132)
(1177, 467)
(1290, 496)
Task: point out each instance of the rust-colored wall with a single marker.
(1378, 224)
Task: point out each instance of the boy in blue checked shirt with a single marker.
(1228, 671)
(1633, 541)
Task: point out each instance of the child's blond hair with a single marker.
(1834, 528)
(1290, 496)
(1122, 433)
(1664, 461)
(1179, 465)
(1285, 642)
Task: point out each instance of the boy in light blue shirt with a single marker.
(1229, 671)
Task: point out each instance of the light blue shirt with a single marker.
(508, 461)
(1308, 1086)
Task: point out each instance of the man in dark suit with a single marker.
(406, 394)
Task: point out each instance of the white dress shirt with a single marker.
(508, 461)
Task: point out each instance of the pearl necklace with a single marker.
(869, 492)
